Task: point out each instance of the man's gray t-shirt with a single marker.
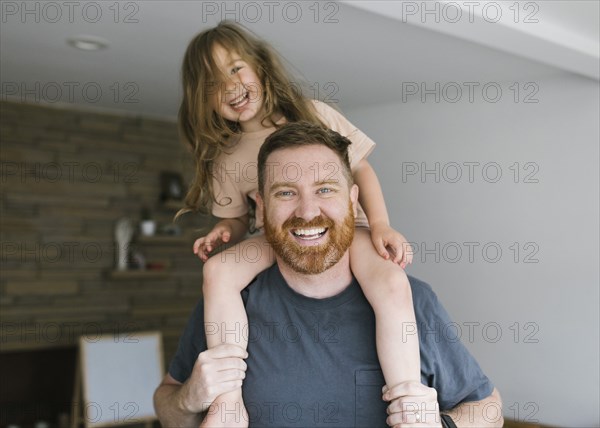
(313, 362)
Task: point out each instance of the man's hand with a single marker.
(216, 371)
(386, 240)
(412, 404)
(219, 235)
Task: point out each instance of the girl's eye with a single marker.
(235, 69)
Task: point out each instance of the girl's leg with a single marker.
(387, 289)
(225, 275)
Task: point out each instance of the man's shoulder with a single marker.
(267, 276)
(425, 301)
(420, 288)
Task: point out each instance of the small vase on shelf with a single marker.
(123, 235)
(147, 224)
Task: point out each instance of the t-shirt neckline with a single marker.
(346, 295)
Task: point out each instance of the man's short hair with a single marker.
(299, 134)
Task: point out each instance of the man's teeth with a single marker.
(309, 233)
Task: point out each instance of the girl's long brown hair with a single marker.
(206, 132)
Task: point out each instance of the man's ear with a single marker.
(260, 203)
(354, 199)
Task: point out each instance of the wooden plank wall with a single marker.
(67, 176)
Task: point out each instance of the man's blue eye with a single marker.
(285, 193)
(325, 190)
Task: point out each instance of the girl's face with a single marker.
(240, 97)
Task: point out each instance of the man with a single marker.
(311, 357)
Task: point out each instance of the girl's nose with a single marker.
(233, 85)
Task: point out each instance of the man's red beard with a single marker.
(311, 259)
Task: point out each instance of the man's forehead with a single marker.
(312, 161)
(310, 151)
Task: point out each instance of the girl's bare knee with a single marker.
(213, 272)
(395, 284)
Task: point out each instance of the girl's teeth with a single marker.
(238, 101)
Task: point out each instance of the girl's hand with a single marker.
(390, 243)
(220, 234)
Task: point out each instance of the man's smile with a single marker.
(309, 234)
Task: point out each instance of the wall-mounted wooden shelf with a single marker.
(172, 205)
(139, 274)
(164, 239)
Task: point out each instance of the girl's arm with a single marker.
(371, 199)
(226, 231)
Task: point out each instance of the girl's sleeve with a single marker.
(230, 200)
(361, 145)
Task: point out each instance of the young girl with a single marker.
(236, 93)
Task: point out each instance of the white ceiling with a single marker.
(361, 59)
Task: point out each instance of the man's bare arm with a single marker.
(168, 403)
(483, 413)
(216, 371)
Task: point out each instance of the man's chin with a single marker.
(310, 269)
(308, 260)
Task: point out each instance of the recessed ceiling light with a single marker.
(88, 43)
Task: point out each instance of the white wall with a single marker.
(546, 361)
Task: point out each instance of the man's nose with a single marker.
(308, 208)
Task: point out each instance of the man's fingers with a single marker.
(220, 388)
(411, 388)
(231, 374)
(413, 412)
(226, 350)
(220, 369)
(406, 404)
(405, 419)
(225, 364)
(228, 386)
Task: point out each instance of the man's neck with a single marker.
(319, 286)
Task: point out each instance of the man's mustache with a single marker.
(299, 223)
